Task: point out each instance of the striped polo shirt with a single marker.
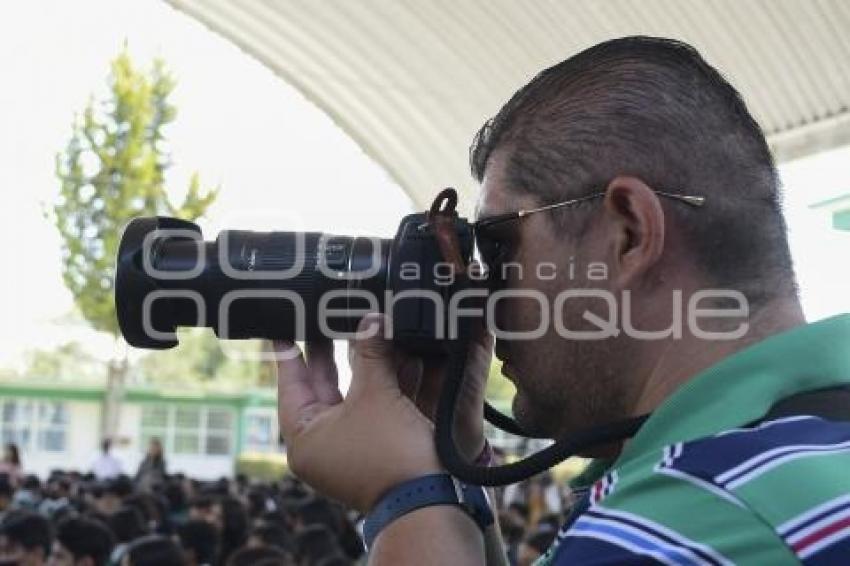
(709, 480)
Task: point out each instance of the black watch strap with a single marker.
(435, 489)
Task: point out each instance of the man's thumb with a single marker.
(373, 363)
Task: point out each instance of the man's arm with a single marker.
(357, 449)
(494, 546)
(442, 534)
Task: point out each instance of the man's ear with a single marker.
(638, 227)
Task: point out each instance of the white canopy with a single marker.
(412, 80)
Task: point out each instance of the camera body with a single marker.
(421, 323)
(287, 285)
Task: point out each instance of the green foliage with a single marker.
(8, 374)
(111, 170)
(264, 467)
(499, 387)
(70, 361)
(199, 358)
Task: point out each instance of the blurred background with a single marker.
(295, 115)
(336, 116)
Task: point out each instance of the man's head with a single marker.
(110, 495)
(259, 556)
(81, 542)
(270, 534)
(207, 508)
(153, 550)
(313, 543)
(127, 524)
(628, 118)
(105, 445)
(155, 448)
(199, 541)
(58, 487)
(24, 539)
(316, 511)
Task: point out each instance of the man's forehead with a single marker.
(495, 196)
(490, 202)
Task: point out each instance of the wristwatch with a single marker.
(434, 489)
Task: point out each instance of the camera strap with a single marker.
(442, 216)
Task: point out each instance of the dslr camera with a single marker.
(298, 285)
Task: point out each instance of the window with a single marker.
(261, 433)
(52, 426)
(34, 425)
(188, 429)
(154, 424)
(219, 425)
(187, 425)
(17, 418)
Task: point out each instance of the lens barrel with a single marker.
(244, 284)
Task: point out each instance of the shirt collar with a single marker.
(743, 387)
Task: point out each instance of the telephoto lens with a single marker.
(244, 284)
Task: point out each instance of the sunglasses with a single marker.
(493, 246)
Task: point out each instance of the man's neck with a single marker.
(681, 359)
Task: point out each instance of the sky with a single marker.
(280, 162)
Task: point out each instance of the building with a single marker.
(56, 426)
(838, 209)
(411, 82)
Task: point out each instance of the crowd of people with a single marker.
(104, 517)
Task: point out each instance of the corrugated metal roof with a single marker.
(412, 80)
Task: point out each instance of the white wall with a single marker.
(127, 439)
(81, 442)
(201, 466)
(131, 452)
(83, 445)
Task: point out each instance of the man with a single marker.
(24, 539)
(110, 494)
(671, 289)
(106, 466)
(57, 498)
(81, 542)
(207, 508)
(151, 472)
(200, 541)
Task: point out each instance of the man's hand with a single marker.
(469, 410)
(356, 449)
(380, 435)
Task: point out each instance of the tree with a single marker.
(111, 170)
(200, 359)
(69, 362)
(499, 387)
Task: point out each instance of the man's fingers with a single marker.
(296, 399)
(481, 347)
(432, 384)
(480, 357)
(322, 372)
(410, 377)
(373, 363)
(476, 370)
